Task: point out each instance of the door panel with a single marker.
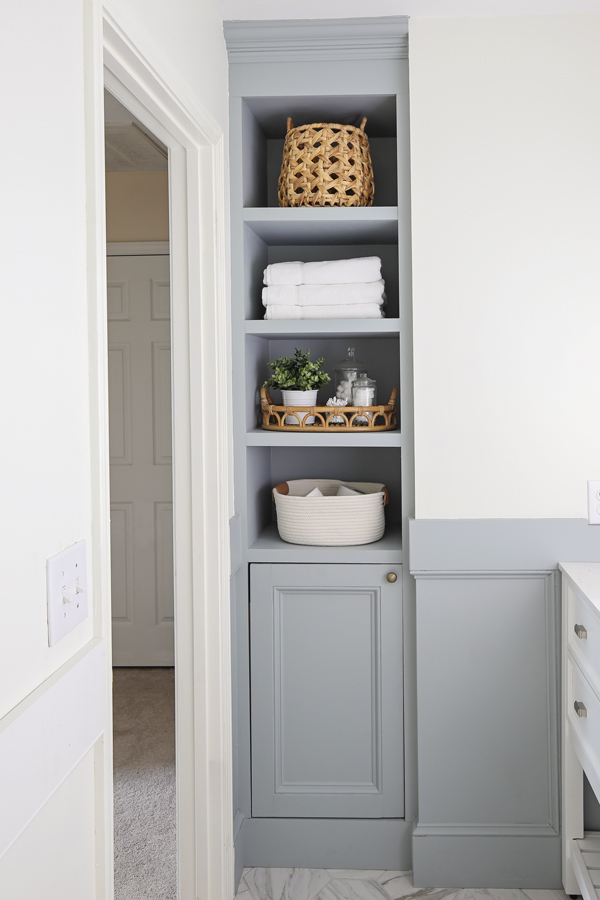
(140, 461)
(326, 646)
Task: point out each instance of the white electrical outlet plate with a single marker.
(593, 502)
(66, 584)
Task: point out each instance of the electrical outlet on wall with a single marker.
(593, 502)
(67, 591)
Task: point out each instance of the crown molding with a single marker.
(385, 37)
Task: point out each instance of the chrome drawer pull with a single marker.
(580, 709)
(580, 631)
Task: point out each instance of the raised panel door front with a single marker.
(140, 460)
(326, 667)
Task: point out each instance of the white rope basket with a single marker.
(330, 521)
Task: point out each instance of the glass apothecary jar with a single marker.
(346, 372)
(364, 393)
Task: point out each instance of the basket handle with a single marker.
(290, 123)
(282, 488)
(393, 395)
(362, 124)
(386, 496)
(265, 397)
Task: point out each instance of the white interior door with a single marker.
(139, 373)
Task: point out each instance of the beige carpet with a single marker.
(144, 782)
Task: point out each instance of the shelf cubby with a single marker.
(264, 121)
(258, 254)
(381, 358)
(270, 465)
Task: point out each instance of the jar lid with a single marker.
(350, 363)
(363, 380)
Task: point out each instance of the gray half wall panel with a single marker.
(446, 545)
(490, 587)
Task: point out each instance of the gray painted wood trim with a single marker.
(485, 831)
(235, 538)
(487, 862)
(493, 545)
(328, 843)
(385, 37)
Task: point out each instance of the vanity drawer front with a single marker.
(586, 726)
(585, 644)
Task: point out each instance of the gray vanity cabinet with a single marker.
(326, 691)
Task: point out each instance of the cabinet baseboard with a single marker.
(328, 843)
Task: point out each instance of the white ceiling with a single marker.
(129, 146)
(333, 9)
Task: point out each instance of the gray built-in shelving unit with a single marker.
(331, 71)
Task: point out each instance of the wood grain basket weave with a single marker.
(330, 521)
(326, 165)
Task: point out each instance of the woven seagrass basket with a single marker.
(330, 521)
(326, 165)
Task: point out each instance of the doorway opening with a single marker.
(141, 502)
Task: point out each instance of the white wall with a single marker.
(53, 859)
(45, 454)
(505, 142)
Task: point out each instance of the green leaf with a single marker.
(297, 373)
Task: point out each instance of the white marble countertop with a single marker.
(585, 578)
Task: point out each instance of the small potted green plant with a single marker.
(299, 380)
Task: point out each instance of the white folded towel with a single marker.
(341, 311)
(333, 271)
(345, 491)
(324, 294)
(314, 493)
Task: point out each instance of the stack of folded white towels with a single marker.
(332, 289)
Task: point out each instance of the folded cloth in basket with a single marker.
(333, 271)
(341, 311)
(324, 294)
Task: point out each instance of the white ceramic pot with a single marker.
(299, 398)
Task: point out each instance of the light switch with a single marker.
(66, 583)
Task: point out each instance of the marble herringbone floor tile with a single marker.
(285, 884)
(360, 884)
(546, 895)
(352, 889)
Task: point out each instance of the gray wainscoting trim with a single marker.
(487, 862)
(385, 37)
(328, 843)
(447, 545)
(238, 821)
(239, 846)
(235, 543)
(425, 830)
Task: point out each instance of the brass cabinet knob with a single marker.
(580, 709)
(391, 577)
(580, 631)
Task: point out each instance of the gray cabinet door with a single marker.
(486, 685)
(326, 676)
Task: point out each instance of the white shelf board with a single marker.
(261, 438)
(323, 225)
(585, 853)
(334, 328)
(269, 548)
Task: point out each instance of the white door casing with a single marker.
(139, 380)
(201, 452)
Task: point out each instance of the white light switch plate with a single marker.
(66, 582)
(593, 502)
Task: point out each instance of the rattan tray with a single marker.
(380, 418)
